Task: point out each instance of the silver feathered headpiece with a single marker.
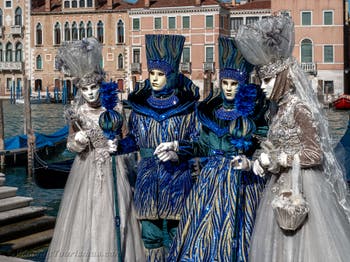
(268, 44)
(81, 60)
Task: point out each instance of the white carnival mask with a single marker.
(229, 88)
(157, 79)
(90, 92)
(267, 85)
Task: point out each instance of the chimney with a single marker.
(198, 2)
(147, 4)
(109, 4)
(47, 5)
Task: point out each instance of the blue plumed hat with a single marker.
(164, 52)
(232, 63)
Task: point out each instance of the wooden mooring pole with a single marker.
(28, 128)
(2, 135)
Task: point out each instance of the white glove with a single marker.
(81, 138)
(167, 146)
(264, 160)
(283, 159)
(241, 163)
(258, 169)
(112, 145)
(168, 156)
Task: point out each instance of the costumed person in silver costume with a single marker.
(304, 214)
(219, 215)
(163, 109)
(96, 219)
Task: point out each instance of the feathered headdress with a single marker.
(232, 63)
(267, 43)
(164, 52)
(81, 60)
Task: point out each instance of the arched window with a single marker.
(1, 18)
(38, 85)
(81, 30)
(66, 32)
(120, 32)
(89, 3)
(74, 31)
(82, 3)
(306, 51)
(57, 34)
(100, 31)
(120, 61)
(39, 62)
(18, 54)
(18, 16)
(39, 34)
(9, 52)
(89, 29)
(1, 53)
(74, 4)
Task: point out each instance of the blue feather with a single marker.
(109, 97)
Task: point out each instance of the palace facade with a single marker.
(32, 32)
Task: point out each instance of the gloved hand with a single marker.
(283, 159)
(168, 156)
(112, 145)
(167, 146)
(265, 160)
(241, 162)
(258, 169)
(81, 138)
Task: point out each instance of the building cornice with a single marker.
(79, 12)
(177, 10)
(250, 11)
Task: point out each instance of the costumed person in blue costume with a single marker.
(96, 219)
(163, 109)
(304, 214)
(219, 215)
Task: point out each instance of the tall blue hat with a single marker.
(232, 63)
(164, 52)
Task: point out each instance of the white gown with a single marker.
(325, 236)
(85, 229)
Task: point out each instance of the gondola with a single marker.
(46, 146)
(51, 175)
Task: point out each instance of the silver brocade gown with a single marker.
(85, 229)
(326, 234)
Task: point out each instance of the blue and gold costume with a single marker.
(161, 116)
(218, 219)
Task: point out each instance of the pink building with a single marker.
(201, 22)
(319, 41)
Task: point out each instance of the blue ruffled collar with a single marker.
(185, 98)
(211, 109)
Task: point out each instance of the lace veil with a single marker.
(268, 44)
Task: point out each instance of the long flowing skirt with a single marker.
(219, 215)
(324, 237)
(85, 228)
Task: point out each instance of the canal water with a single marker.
(48, 118)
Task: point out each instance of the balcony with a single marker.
(136, 68)
(309, 68)
(209, 67)
(11, 66)
(185, 67)
(16, 30)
